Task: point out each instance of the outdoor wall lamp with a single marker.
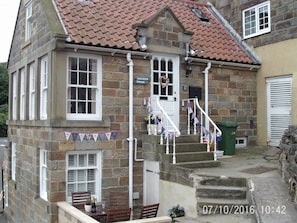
(189, 69)
(142, 42)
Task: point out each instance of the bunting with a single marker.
(81, 136)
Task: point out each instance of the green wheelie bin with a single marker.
(227, 144)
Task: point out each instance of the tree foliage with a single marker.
(3, 99)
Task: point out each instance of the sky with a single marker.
(8, 14)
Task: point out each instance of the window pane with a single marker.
(82, 93)
(163, 65)
(73, 78)
(92, 94)
(72, 160)
(93, 79)
(170, 66)
(93, 65)
(70, 189)
(81, 175)
(156, 64)
(156, 77)
(92, 160)
(82, 160)
(156, 89)
(72, 63)
(81, 107)
(170, 77)
(83, 78)
(91, 187)
(170, 90)
(71, 176)
(83, 64)
(91, 175)
(72, 107)
(81, 187)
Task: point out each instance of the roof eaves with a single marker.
(234, 34)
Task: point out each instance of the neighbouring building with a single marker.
(82, 73)
(270, 27)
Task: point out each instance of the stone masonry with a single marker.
(288, 160)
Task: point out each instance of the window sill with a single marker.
(26, 43)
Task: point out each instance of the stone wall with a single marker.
(288, 160)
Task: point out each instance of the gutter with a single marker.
(113, 51)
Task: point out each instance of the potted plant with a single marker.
(175, 212)
(88, 205)
(152, 122)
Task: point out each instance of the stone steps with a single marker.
(199, 164)
(191, 156)
(222, 195)
(225, 192)
(190, 153)
(210, 206)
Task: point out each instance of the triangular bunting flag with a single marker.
(95, 136)
(67, 135)
(108, 134)
(114, 135)
(88, 136)
(101, 135)
(74, 136)
(196, 121)
(81, 136)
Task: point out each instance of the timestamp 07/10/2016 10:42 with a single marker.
(243, 209)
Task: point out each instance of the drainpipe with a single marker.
(206, 93)
(130, 139)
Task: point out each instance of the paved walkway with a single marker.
(271, 192)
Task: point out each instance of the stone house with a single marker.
(270, 28)
(82, 74)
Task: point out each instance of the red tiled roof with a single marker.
(108, 23)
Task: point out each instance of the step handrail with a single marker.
(216, 131)
(176, 133)
(211, 137)
(209, 119)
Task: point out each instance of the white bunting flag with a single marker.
(67, 135)
(81, 136)
(95, 136)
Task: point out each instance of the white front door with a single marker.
(279, 103)
(165, 86)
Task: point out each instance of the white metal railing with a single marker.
(169, 130)
(208, 130)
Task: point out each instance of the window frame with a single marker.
(32, 91)
(44, 88)
(97, 168)
(43, 159)
(14, 96)
(22, 94)
(98, 89)
(258, 31)
(28, 25)
(13, 160)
